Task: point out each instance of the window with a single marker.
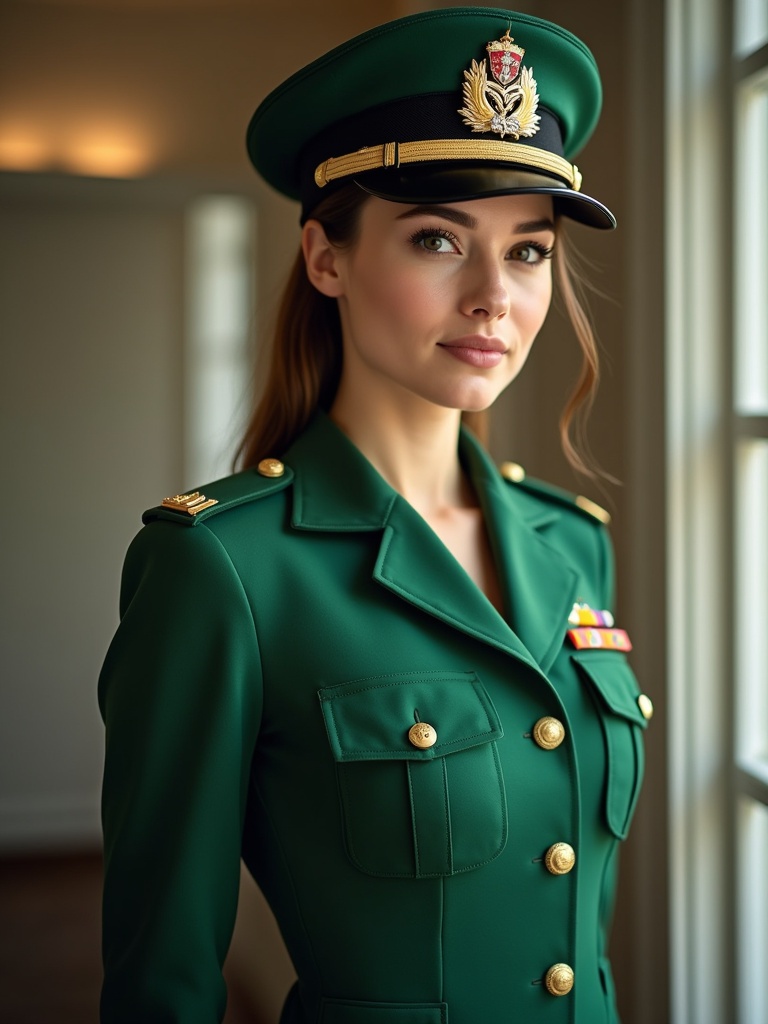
(749, 455)
(219, 277)
(717, 473)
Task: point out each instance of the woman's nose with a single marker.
(486, 295)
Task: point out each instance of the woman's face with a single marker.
(442, 303)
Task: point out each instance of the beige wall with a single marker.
(168, 85)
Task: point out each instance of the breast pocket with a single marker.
(420, 783)
(616, 690)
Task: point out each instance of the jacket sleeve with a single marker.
(180, 694)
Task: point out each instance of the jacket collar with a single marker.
(336, 489)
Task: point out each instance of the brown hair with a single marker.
(305, 357)
(572, 283)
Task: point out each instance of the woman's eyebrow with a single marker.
(529, 226)
(466, 220)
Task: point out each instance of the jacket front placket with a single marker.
(337, 490)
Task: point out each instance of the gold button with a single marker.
(513, 472)
(548, 733)
(271, 467)
(646, 706)
(559, 980)
(559, 859)
(422, 736)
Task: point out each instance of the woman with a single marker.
(369, 664)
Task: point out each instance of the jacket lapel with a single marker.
(337, 489)
(539, 585)
(415, 564)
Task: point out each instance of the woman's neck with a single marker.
(415, 449)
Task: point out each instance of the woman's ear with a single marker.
(321, 260)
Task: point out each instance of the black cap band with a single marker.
(412, 119)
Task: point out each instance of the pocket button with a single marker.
(422, 736)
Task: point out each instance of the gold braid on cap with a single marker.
(393, 154)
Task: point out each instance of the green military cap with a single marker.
(444, 106)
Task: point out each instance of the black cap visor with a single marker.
(463, 182)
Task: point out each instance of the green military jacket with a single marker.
(274, 652)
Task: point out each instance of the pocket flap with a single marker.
(614, 680)
(369, 719)
(345, 1011)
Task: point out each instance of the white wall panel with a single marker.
(89, 404)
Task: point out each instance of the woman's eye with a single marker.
(435, 241)
(531, 252)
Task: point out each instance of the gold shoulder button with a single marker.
(513, 472)
(191, 503)
(645, 704)
(271, 467)
(593, 509)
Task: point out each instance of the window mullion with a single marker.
(750, 427)
(751, 779)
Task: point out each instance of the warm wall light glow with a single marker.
(23, 151)
(108, 152)
(108, 156)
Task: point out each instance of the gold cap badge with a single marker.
(507, 105)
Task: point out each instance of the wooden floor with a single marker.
(50, 928)
(50, 961)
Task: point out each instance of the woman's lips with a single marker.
(478, 351)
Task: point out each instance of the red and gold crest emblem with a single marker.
(505, 59)
(505, 105)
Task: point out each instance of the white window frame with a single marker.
(714, 926)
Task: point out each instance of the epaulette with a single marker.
(515, 474)
(251, 484)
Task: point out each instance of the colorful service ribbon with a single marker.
(603, 639)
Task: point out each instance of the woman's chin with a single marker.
(476, 400)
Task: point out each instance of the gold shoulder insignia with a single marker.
(515, 474)
(593, 509)
(249, 485)
(191, 503)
